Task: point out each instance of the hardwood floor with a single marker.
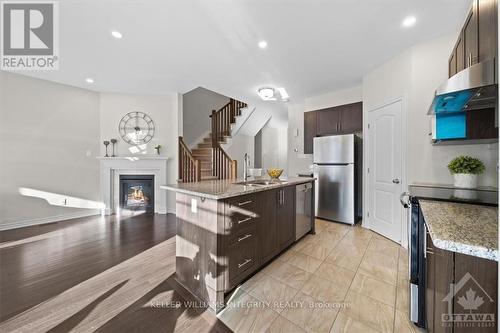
(101, 274)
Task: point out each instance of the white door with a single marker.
(385, 170)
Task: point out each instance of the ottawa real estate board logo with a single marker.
(29, 35)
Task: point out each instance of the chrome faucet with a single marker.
(246, 165)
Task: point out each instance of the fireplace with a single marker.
(137, 193)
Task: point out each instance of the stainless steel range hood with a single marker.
(470, 89)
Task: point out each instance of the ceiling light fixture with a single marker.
(262, 44)
(284, 95)
(89, 80)
(267, 94)
(116, 34)
(409, 21)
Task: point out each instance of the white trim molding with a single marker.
(113, 167)
(49, 219)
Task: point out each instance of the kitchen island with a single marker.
(229, 229)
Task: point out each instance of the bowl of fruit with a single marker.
(274, 173)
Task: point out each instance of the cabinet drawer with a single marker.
(242, 255)
(240, 214)
(242, 236)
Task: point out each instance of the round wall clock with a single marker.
(137, 128)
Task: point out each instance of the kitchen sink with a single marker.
(260, 182)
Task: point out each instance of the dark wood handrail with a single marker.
(189, 167)
(223, 118)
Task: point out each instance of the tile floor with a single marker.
(343, 279)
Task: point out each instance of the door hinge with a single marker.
(367, 214)
(368, 126)
(368, 170)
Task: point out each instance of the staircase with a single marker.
(208, 160)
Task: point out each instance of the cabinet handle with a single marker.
(244, 203)
(244, 220)
(470, 59)
(244, 237)
(244, 263)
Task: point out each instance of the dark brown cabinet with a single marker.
(487, 29)
(478, 38)
(286, 216)
(351, 118)
(328, 121)
(343, 119)
(470, 37)
(277, 229)
(310, 130)
(449, 276)
(268, 228)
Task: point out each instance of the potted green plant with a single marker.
(465, 170)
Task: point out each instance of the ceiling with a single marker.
(178, 45)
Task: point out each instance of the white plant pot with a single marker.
(465, 180)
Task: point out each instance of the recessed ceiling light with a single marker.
(89, 80)
(409, 21)
(116, 34)
(262, 44)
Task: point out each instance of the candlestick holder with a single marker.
(106, 144)
(113, 141)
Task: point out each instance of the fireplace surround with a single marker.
(111, 168)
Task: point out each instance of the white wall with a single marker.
(47, 131)
(274, 148)
(334, 98)
(197, 107)
(237, 147)
(164, 110)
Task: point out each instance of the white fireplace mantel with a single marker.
(112, 167)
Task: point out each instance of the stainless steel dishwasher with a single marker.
(303, 210)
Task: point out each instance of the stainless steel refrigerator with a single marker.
(338, 172)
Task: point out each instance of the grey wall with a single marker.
(197, 107)
(49, 137)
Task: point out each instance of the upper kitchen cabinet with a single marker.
(310, 130)
(328, 121)
(342, 119)
(487, 29)
(351, 118)
(478, 38)
(471, 37)
(456, 62)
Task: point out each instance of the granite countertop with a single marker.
(227, 188)
(462, 228)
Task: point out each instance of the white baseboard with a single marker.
(50, 219)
